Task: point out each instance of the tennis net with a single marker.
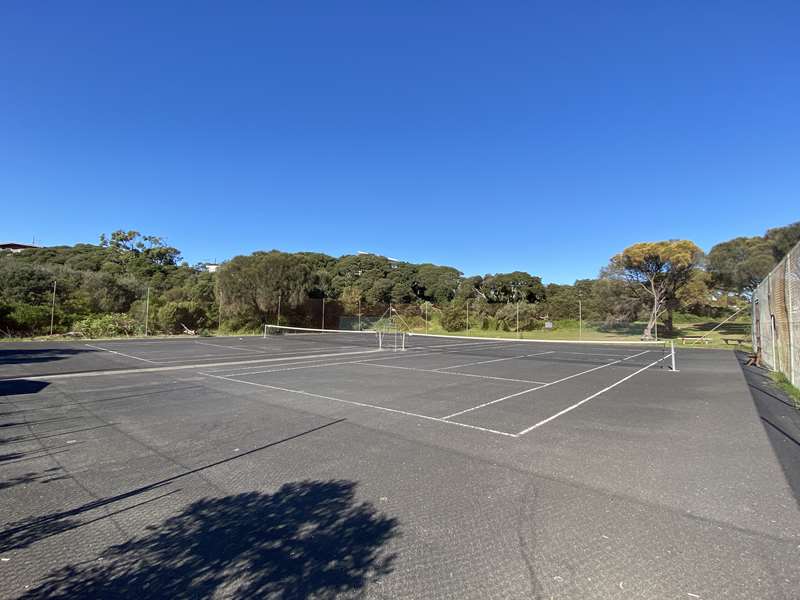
(344, 338)
(548, 350)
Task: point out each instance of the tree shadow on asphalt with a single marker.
(15, 356)
(15, 387)
(310, 539)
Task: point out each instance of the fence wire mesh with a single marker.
(776, 317)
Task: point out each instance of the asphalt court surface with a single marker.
(476, 469)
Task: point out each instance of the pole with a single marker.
(467, 317)
(426, 317)
(672, 351)
(278, 317)
(517, 318)
(359, 313)
(147, 312)
(53, 308)
(580, 320)
(323, 312)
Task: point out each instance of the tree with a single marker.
(740, 264)
(511, 287)
(783, 239)
(659, 269)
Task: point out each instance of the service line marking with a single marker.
(152, 362)
(595, 395)
(485, 404)
(440, 372)
(494, 360)
(177, 367)
(363, 404)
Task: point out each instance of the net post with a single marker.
(265, 331)
(672, 354)
(404, 340)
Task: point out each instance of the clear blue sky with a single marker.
(491, 136)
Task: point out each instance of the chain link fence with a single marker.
(776, 317)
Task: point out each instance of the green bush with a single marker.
(454, 317)
(528, 317)
(173, 315)
(110, 325)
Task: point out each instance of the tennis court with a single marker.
(305, 463)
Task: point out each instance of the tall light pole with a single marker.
(467, 317)
(323, 311)
(53, 308)
(147, 311)
(580, 318)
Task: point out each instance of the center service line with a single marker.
(543, 386)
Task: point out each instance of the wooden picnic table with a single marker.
(694, 338)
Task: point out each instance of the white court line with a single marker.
(367, 361)
(490, 344)
(224, 346)
(543, 386)
(362, 404)
(177, 367)
(152, 362)
(391, 356)
(439, 372)
(286, 353)
(595, 395)
(308, 364)
(494, 360)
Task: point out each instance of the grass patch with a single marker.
(786, 386)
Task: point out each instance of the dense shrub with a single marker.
(529, 317)
(173, 315)
(110, 325)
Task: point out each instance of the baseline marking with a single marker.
(595, 395)
(542, 386)
(438, 372)
(494, 360)
(152, 362)
(176, 368)
(363, 404)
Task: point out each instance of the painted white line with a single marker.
(489, 344)
(223, 346)
(485, 404)
(286, 353)
(180, 367)
(311, 364)
(438, 372)
(595, 395)
(390, 356)
(362, 404)
(494, 360)
(152, 362)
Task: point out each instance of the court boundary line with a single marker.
(585, 400)
(153, 362)
(370, 362)
(494, 360)
(485, 404)
(173, 367)
(438, 372)
(363, 405)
